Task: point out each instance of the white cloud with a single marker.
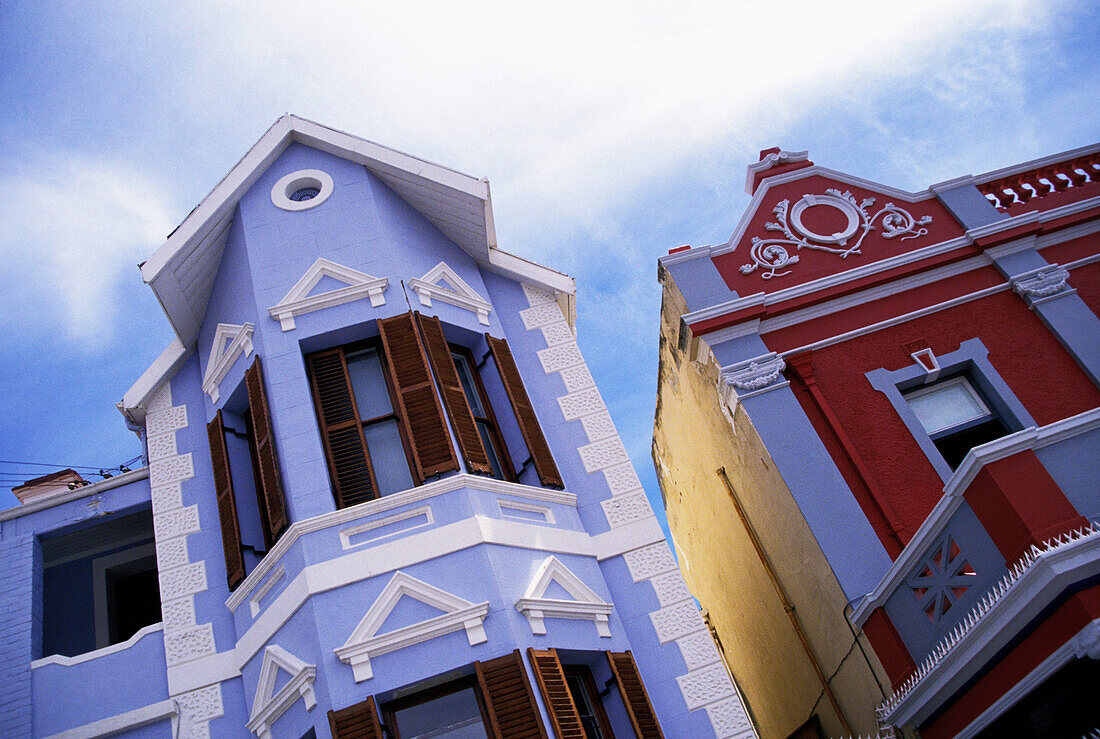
(71, 228)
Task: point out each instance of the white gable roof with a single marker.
(182, 271)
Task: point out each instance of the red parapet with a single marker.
(1022, 187)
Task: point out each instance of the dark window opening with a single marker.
(305, 193)
(99, 584)
(587, 700)
(453, 710)
(956, 416)
(1064, 705)
(487, 426)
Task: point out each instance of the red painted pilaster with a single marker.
(1019, 504)
(889, 647)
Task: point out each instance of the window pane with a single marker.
(490, 449)
(465, 374)
(949, 404)
(455, 716)
(369, 384)
(387, 456)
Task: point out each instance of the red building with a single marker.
(922, 370)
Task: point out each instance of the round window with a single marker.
(306, 188)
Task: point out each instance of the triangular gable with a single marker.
(453, 290)
(365, 642)
(230, 342)
(299, 299)
(812, 222)
(585, 605)
(269, 704)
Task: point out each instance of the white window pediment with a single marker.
(230, 342)
(365, 642)
(269, 704)
(585, 605)
(298, 300)
(453, 290)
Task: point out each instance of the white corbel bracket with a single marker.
(755, 376)
(1040, 285)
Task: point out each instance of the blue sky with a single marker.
(610, 133)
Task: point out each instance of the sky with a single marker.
(610, 133)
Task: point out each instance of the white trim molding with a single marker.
(63, 661)
(388, 503)
(135, 719)
(223, 355)
(269, 704)
(459, 294)
(298, 300)
(366, 642)
(586, 604)
(772, 160)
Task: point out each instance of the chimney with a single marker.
(48, 486)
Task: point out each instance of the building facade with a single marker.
(877, 438)
(383, 497)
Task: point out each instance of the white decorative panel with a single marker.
(161, 446)
(559, 357)
(171, 469)
(581, 403)
(162, 401)
(535, 296)
(670, 588)
(577, 378)
(698, 650)
(199, 706)
(626, 509)
(602, 454)
(171, 553)
(648, 561)
(729, 719)
(176, 522)
(676, 621)
(541, 315)
(167, 497)
(186, 580)
(188, 644)
(708, 685)
(178, 614)
(622, 479)
(598, 426)
(557, 333)
(169, 419)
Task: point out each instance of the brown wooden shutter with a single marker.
(342, 433)
(454, 397)
(525, 414)
(356, 722)
(271, 492)
(419, 406)
(555, 694)
(509, 698)
(227, 503)
(642, 717)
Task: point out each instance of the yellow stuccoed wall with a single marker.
(692, 438)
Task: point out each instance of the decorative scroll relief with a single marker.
(1041, 283)
(366, 642)
(269, 704)
(230, 342)
(586, 604)
(298, 301)
(453, 290)
(774, 255)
